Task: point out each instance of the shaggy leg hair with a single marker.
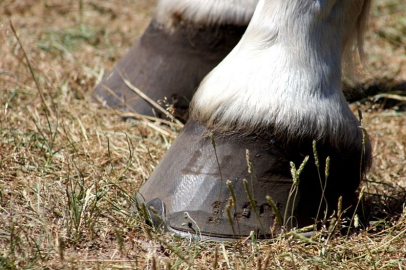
(284, 76)
(205, 12)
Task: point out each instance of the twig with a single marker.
(31, 71)
(148, 99)
(390, 96)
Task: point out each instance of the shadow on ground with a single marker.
(387, 94)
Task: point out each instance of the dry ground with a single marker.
(69, 168)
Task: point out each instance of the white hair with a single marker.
(205, 12)
(285, 73)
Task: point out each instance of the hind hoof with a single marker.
(167, 67)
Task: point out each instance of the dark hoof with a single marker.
(167, 67)
(189, 186)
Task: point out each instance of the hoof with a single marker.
(167, 67)
(191, 195)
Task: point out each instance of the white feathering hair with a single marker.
(205, 12)
(285, 73)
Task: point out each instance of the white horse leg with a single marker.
(185, 40)
(273, 95)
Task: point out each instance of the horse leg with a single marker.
(272, 103)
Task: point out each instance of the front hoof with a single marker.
(225, 187)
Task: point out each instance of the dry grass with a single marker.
(69, 169)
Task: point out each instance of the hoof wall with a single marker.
(221, 190)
